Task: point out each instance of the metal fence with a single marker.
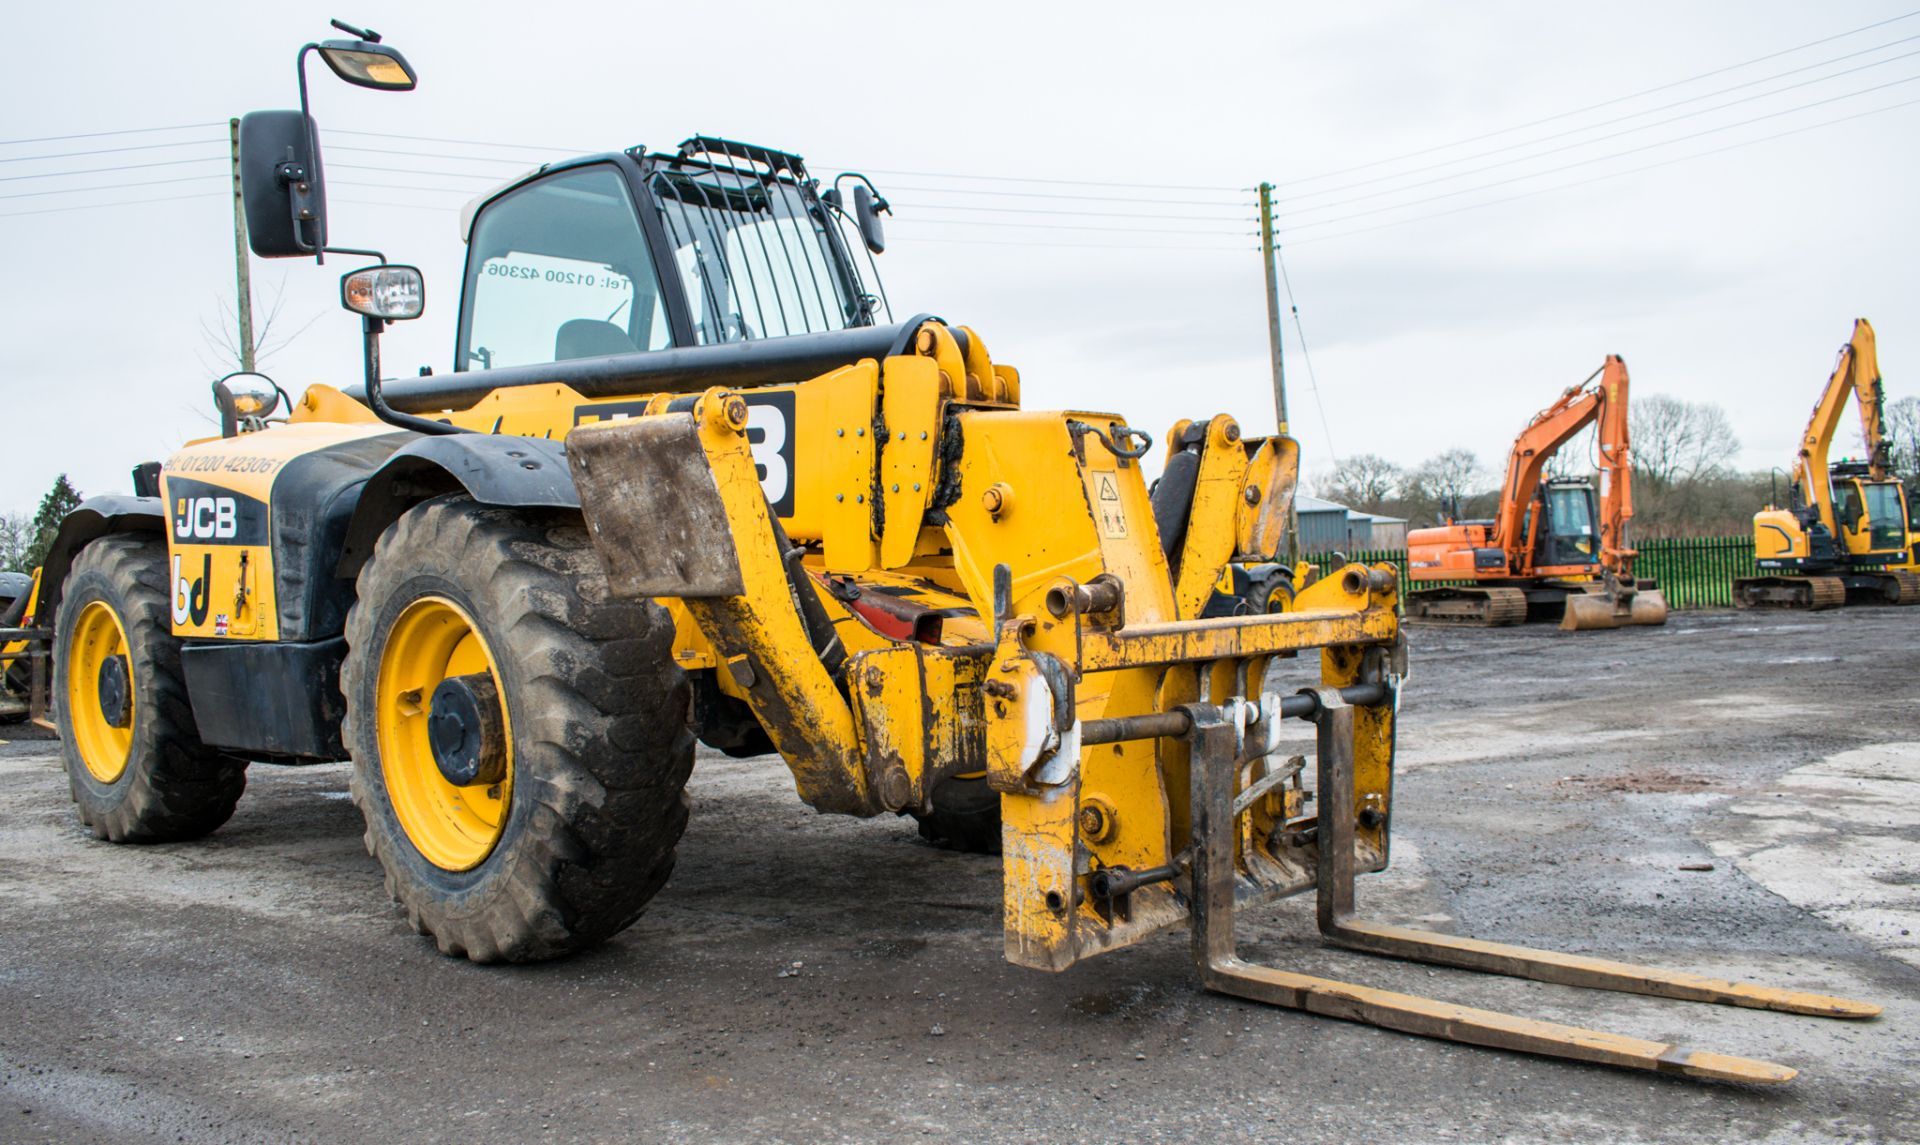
(1697, 572)
(1692, 572)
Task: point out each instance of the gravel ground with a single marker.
(805, 978)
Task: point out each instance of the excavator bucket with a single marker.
(1615, 605)
(1588, 611)
(1649, 607)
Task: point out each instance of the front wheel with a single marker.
(519, 737)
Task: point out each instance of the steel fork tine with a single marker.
(1214, 948)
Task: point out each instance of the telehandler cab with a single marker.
(689, 478)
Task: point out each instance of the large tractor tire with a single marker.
(519, 737)
(138, 770)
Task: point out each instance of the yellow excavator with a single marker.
(1844, 536)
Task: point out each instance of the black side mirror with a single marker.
(281, 184)
(866, 211)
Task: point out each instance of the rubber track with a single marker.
(602, 749)
(1498, 608)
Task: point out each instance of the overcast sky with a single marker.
(1729, 278)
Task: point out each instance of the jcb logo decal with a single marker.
(191, 598)
(202, 514)
(205, 519)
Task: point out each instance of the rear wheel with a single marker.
(519, 737)
(138, 770)
(965, 817)
(1271, 591)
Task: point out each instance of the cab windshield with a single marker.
(1570, 533)
(756, 258)
(1886, 516)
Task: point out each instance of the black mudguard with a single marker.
(525, 472)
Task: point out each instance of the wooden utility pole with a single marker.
(1268, 259)
(242, 272)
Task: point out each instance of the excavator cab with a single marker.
(1872, 514)
(1571, 537)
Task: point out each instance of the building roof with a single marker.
(1302, 503)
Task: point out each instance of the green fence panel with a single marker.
(1692, 572)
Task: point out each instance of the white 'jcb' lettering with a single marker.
(772, 424)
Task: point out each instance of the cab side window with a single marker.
(560, 269)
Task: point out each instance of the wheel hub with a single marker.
(466, 731)
(115, 685)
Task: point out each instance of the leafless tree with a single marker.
(1903, 439)
(1449, 478)
(1364, 481)
(16, 543)
(221, 336)
(1676, 441)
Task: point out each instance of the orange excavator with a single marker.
(1549, 553)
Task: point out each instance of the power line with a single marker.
(467, 191)
(107, 170)
(1605, 102)
(1608, 175)
(1313, 383)
(1096, 214)
(464, 142)
(1620, 119)
(1028, 179)
(1075, 198)
(111, 150)
(104, 134)
(1604, 158)
(107, 187)
(116, 203)
(1063, 227)
(1181, 247)
(521, 163)
(438, 208)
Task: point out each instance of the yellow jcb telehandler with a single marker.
(689, 478)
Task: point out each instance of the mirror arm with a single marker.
(370, 329)
(306, 124)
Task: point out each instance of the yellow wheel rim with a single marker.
(97, 638)
(454, 828)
